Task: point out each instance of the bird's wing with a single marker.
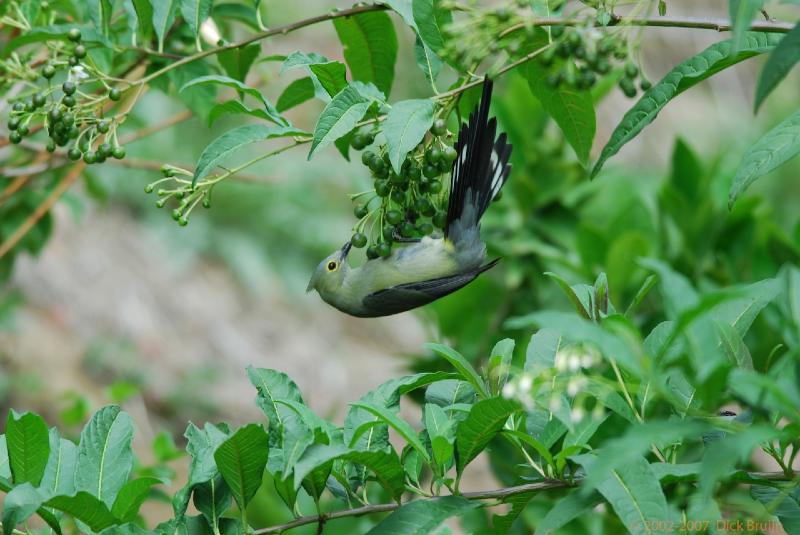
(404, 297)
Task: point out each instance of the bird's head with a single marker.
(330, 272)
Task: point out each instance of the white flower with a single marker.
(574, 363)
(555, 403)
(509, 389)
(560, 360)
(576, 414)
(525, 384)
(588, 359)
(77, 73)
(209, 32)
(575, 384)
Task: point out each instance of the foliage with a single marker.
(617, 403)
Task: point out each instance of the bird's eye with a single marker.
(331, 266)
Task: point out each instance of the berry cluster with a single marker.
(186, 195)
(405, 205)
(69, 115)
(578, 55)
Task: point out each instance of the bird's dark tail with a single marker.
(479, 171)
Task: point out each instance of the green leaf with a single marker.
(486, 418)
(635, 494)
(237, 61)
(238, 12)
(5, 468)
(140, 19)
(163, 17)
(84, 507)
(331, 75)
(773, 149)
(734, 346)
(202, 443)
(584, 431)
(241, 460)
(742, 13)
(542, 349)
(568, 508)
(499, 365)
(384, 464)
(406, 124)
(778, 65)
(340, 116)
(723, 455)
(685, 75)
(131, 496)
(404, 9)
(232, 140)
(461, 365)
(195, 12)
(104, 454)
(441, 431)
(370, 47)
(450, 392)
(270, 111)
(427, 61)
(781, 502)
(99, 12)
(212, 498)
(19, 505)
(571, 109)
(59, 475)
(571, 294)
(28, 446)
(234, 107)
(55, 32)
(295, 94)
(401, 426)
(421, 517)
(430, 19)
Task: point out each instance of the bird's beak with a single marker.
(345, 251)
(311, 283)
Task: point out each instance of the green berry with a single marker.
(18, 106)
(68, 118)
(114, 94)
(182, 222)
(13, 123)
(118, 153)
(361, 211)
(424, 206)
(547, 57)
(407, 230)
(449, 154)
(105, 149)
(379, 168)
(99, 158)
(14, 137)
(430, 171)
(73, 132)
(358, 240)
(103, 126)
(68, 101)
(621, 53)
(206, 203)
(645, 85)
(439, 127)
(358, 141)
(69, 88)
(414, 172)
(72, 61)
(382, 188)
(393, 217)
(434, 155)
(80, 51)
(631, 70)
(367, 157)
(74, 35)
(74, 154)
(425, 228)
(602, 67)
(398, 196)
(39, 100)
(434, 186)
(23, 130)
(51, 145)
(148, 188)
(167, 171)
(440, 219)
(397, 178)
(557, 31)
(627, 87)
(384, 249)
(176, 214)
(90, 157)
(372, 252)
(388, 233)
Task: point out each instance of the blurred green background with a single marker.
(126, 306)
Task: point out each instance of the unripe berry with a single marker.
(74, 35)
(361, 211)
(439, 127)
(358, 240)
(114, 94)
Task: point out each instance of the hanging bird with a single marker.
(431, 267)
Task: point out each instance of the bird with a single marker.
(432, 267)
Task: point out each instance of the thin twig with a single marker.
(42, 209)
(497, 494)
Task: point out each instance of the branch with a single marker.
(497, 494)
(42, 209)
